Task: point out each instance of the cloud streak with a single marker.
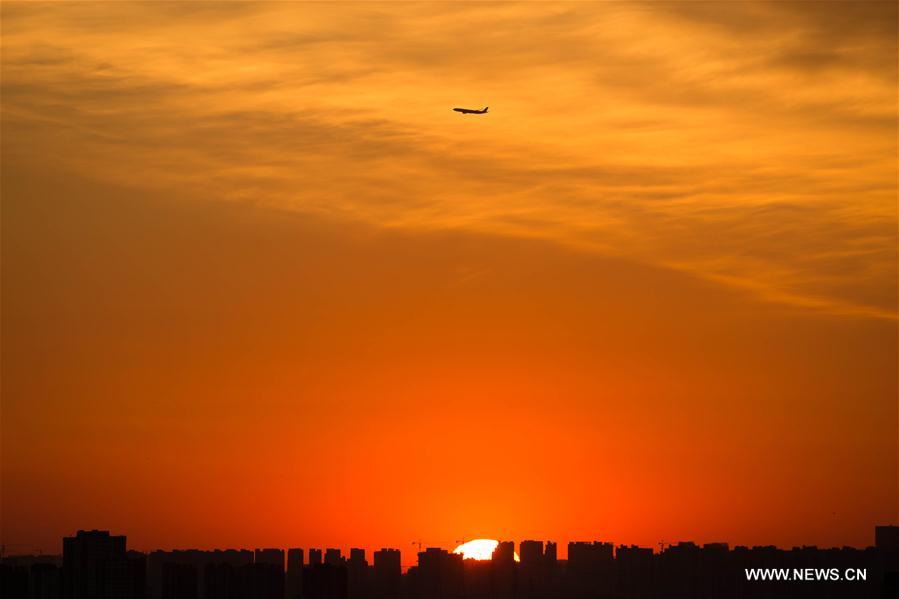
(754, 146)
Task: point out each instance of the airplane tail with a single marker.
(485, 108)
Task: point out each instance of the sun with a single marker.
(479, 549)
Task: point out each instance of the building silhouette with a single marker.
(293, 584)
(590, 567)
(220, 581)
(260, 581)
(358, 582)
(387, 574)
(97, 565)
(274, 557)
(180, 581)
(533, 570)
(325, 581)
(886, 537)
(438, 574)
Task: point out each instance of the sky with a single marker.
(261, 286)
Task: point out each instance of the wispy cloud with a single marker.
(753, 144)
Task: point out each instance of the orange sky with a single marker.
(262, 287)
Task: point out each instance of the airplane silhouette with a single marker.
(471, 111)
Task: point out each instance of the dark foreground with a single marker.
(96, 565)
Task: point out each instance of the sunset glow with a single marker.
(263, 286)
(479, 549)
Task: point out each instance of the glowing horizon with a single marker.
(479, 549)
(262, 286)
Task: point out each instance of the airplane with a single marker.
(471, 111)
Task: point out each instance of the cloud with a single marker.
(753, 144)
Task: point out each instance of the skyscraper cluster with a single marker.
(97, 565)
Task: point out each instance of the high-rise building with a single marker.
(274, 557)
(439, 573)
(261, 580)
(550, 555)
(293, 585)
(315, 557)
(137, 574)
(533, 569)
(590, 567)
(357, 573)
(13, 580)
(219, 580)
(180, 581)
(387, 573)
(503, 566)
(886, 537)
(333, 557)
(634, 566)
(585, 557)
(357, 556)
(294, 559)
(45, 581)
(95, 566)
(325, 581)
(504, 553)
(531, 554)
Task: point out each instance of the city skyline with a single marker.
(97, 565)
(410, 550)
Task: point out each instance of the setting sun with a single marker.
(479, 549)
